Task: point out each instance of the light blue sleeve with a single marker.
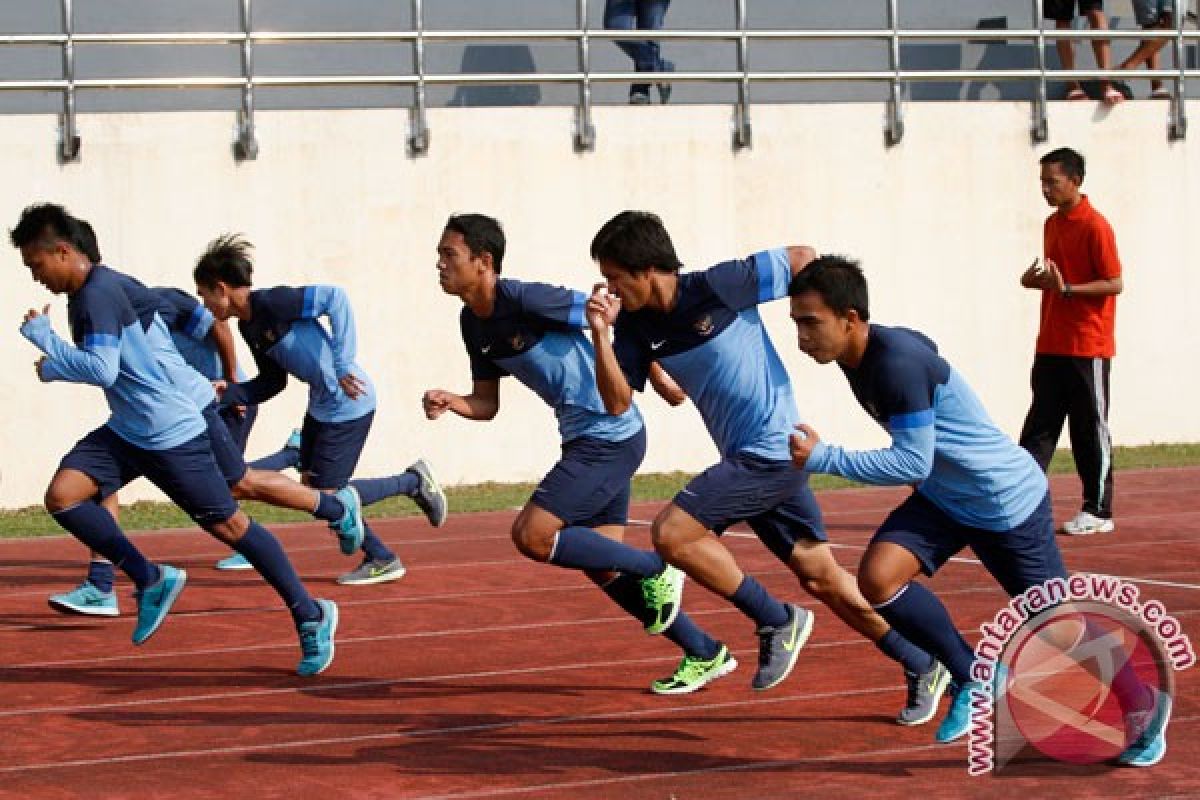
(97, 362)
(332, 302)
(909, 460)
(774, 268)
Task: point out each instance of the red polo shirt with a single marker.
(1082, 244)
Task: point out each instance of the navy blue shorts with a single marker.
(329, 451)
(589, 486)
(1022, 557)
(772, 497)
(225, 450)
(239, 424)
(188, 473)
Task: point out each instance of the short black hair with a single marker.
(45, 224)
(1068, 160)
(91, 246)
(482, 234)
(227, 260)
(840, 282)
(636, 241)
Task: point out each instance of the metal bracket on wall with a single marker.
(245, 145)
(743, 133)
(585, 131)
(893, 131)
(69, 142)
(418, 127)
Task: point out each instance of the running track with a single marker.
(482, 675)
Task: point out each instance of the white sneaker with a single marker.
(1085, 524)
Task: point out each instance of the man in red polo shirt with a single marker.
(1079, 284)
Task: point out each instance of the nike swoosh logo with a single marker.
(377, 571)
(656, 345)
(485, 350)
(790, 645)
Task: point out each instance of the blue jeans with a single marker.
(639, 15)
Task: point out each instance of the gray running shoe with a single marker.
(924, 692)
(369, 572)
(779, 647)
(429, 497)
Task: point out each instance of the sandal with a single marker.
(1113, 96)
(1077, 94)
(1161, 93)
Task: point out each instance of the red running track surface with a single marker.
(484, 675)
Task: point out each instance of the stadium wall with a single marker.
(944, 224)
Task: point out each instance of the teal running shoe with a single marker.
(317, 640)
(234, 562)
(349, 528)
(155, 601)
(957, 721)
(87, 600)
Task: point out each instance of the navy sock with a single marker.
(329, 508)
(372, 490)
(753, 601)
(584, 548)
(374, 548)
(277, 462)
(101, 574)
(909, 656)
(263, 550)
(91, 524)
(626, 591)
(917, 614)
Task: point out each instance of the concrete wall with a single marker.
(944, 223)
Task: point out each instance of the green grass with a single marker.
(33, 521)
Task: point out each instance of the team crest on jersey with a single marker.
(703, 325)
(269, 335)
(517, 342)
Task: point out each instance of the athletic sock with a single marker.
(91, 524)
(583, 548)
(917, 614)
(908, 655)
(626, 591)
(329, 508)
(101, 574)
(277, 462)
(372, 490)
(265, 553)
(752, 599)
(374, 548)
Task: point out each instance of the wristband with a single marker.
(1066, 290)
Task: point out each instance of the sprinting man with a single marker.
(155, 431)
(576, 517)
(281, 327)
(973, 486)
(704, 329)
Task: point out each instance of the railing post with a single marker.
(743, 135)
(68, 135)
(245, 147)
(585, 131)
(418, 128)
(1039, 130)
(1177, 122)
(894, 130)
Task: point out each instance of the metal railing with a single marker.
(245, 145)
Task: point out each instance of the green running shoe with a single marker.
(662, 593)
(693, 673)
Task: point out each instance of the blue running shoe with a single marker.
(349, 528)
(316, 640)
(234, 562)
(155, 601)
(1148, 730)
(958, 719)
(293, 442)
(87, 600)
